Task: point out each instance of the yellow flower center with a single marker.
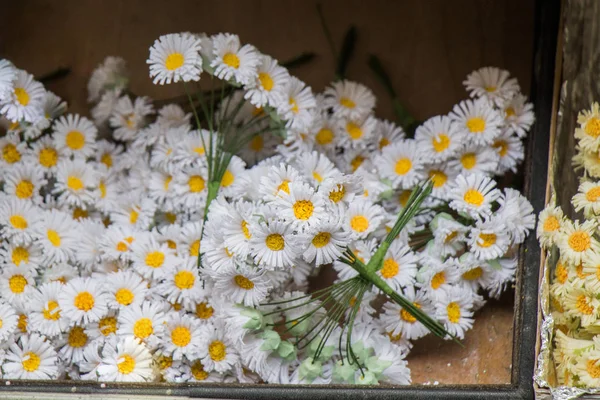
(561, 273)
(74, 183)
(474, 197)
(22, 96)
(77, 337)
(18, 222)
(501, 146)
(142, 328)
(124, 296)
(438, 280)
(468, 160)
(231, 60)
(122, 246)
(53, 237)
(510, 111)
(31, 361)
(243, 282)
(476, 124)
(580, 241)
(164, 362)
(155, 259)
(390, 268)
(356, 162)
(79, 213)
(403, 198)
(19, 255)
(348, 103)
(440, 142)
(184, 280)
(284, 186)
(195, 248)
(24, 189)
(551, 224)
(583, 305)
(75, 140)
(354, 130)
(217, 350)
(84, 301)
(265, 81)
(275, 242)
(256, 143)
(406, 316)
(245, 230)
(473, 274)
(181, 336)
(337, 194)
(593, 194)
(198, 371)
(592, 127)
(204, 311)
(450, 236)
(227, 179)
(107, 160)
(48, 157)
(321, 239)
(10, 153)
(107, 325)
(22, 324)
(133, 216)
(303, 209)
(439, 178)
(102, 187)
(196, 183)
(174, 61)
(17, 283)
(593, 368)
(383, 143)
(126, 365)
(324, 136)
(487, 239)
(51, 311)
(403, 166)
(294, 105)
(359, 223)
(453, 310)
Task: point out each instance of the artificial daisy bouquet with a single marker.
(187, 242)
(573, 250)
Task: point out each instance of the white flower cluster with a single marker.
(575, 282)
(100, 239)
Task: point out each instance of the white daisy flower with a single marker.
(454, 310)
(31, 357)
(271, 245)
(46, 316)
(517, 214)
(191, 187)
(189, 245)
(144, 321)
(511, 152)
(436, 275)
(76, 183)
(60, 273)
(356, 133)
(194, 372)
(182, 337)
(266, 88)
(401, 163)
(217, 352)
(491, 83)
(133, 211)
(397, 320)
(399, 266)
(232, 60)
(12, 149)
(125, 289)
(129, 361)
(24, 103)
(326, 241)
(242, 285)
(107, 153)
(489, 239)
(102, 111)
(550, 222)
(519, 115)
(388, 132)
(9, 320)
(474, 274)
(56, 232)
(302, 207)
(83, 300)
(476, 159)
(75, 135)
(236, 228)
(182, 284)
(349, 99)
(576, 242)
(474, 194)
(440, 138)
(277, 181)
(362, 218)
(442, 175)
(105, 329)
(151, 259)
(18, 218)
(478, 120)
(111, 74)
(128, 117)
(24, 181)
(449, 235)
(297, 104)
(47, 155)
(232, 175)
(115, 243)
(21, 255)
(17, 283)
(317, 167)
(175, 57)
(8, 74)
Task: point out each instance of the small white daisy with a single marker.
(349, 99)
(356, 133)
(401, 163)
(302, 207)
(478, 120)
(56, 232)
(129, 361)
(18, 218)
(519, 115)
(454, 309)
(144, 321)
(76, 183)
(217, 352)
(489, 239)
(151, 259)
(182, 336)
(25, 101)
(492, 83)
(271, 245)
(83, 300)
(266, 88)
(125, 289)
(362, 218)
(175, 57)
(399, 266)
(128, 117)
(46, 315)
(297, 104)
(397, 320)
(24, 181)
(474, 194)
(75, 135)
(243, 284)
(232, 60)
(439, 138)
(32, 357)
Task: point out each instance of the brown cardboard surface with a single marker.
(428, 47)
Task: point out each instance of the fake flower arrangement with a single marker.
(574, 303)
(180, 248)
